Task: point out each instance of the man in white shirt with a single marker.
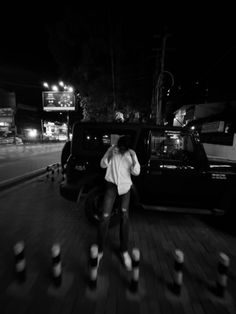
(120, 162)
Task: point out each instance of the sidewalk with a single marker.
(39, 216)
(14, 151)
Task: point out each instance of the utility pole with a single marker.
(159, 83)
(113, 78)
(112, 58)
(68, 125)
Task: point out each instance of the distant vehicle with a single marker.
(175, 172)
(9, 138)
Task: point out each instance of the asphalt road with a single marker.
(17, 161)
(36, 213)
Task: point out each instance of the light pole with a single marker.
(42, 129)
(159, 86)
(68, 123)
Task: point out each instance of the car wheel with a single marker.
(228, 203)
(93, 207)
(230, 211)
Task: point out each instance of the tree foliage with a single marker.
(87, 48)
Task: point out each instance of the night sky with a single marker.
(200, 51)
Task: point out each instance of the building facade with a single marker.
(216, 124)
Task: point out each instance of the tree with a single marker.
(82, 49)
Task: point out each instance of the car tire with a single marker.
(229, 216)
(93, 206)
(226, 221)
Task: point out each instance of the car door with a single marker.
(169, 174)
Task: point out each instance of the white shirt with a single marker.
(119, 170)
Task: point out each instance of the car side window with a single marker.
(171, 146)
(100, 140)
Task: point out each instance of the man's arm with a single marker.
(135, 168)
(107, 157)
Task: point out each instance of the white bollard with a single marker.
(178, 271)
(93, 266)
(56, 265)
(135, 270)
(222, 278)
(20, 263)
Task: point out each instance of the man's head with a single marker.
(123, 144)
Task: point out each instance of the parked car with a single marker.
(9, 138)
(175, 172)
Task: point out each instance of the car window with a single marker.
(170, 145)
(99, 140)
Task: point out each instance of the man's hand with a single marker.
(111, 150)
(132, 153)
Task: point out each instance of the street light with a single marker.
(172, 77)
(55, 88)
(45, 84)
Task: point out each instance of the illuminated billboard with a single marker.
(58, 101)
(6, 115)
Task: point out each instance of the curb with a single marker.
(14, 181)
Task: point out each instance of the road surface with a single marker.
(19, 160)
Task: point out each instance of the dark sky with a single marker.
(202, 45)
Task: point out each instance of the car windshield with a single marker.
(170, 146)
(99, 140)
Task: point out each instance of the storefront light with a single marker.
(32, 133)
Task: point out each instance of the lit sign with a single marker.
(6, 115)
(6, 112)
(58, 101)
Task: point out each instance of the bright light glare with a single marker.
(45, 84)
(55, 88)
(70, 89)
(32, 133)
(61, 84)
(193, 127)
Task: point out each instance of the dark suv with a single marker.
(175, 172)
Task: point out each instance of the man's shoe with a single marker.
(126, 259)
